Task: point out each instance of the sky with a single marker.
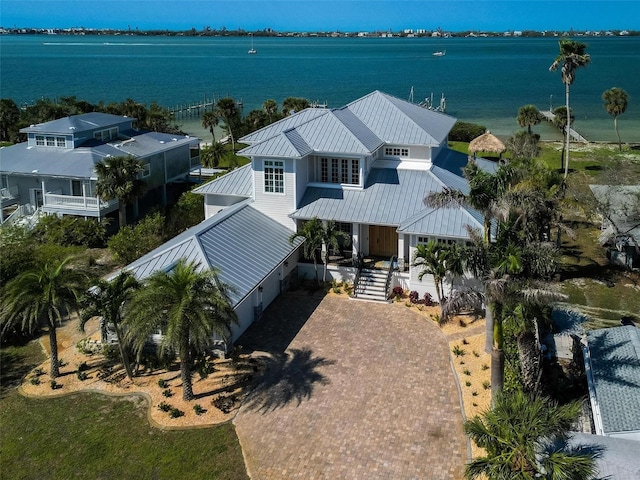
(324, 15)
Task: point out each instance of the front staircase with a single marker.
(372, 285)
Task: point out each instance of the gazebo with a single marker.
(487, 142)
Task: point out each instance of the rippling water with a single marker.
(484, 80)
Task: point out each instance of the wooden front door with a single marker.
(383, 241)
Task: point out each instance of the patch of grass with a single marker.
(95, 436)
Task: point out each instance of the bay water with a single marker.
(484, 80)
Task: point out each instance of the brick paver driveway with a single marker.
(354, 390)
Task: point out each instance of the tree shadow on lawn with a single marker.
(288, 377)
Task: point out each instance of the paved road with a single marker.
(354, 390)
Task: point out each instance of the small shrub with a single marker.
(83, 367)
(62, 363)
(467, 383)
(407, 304)
(486, 385)
(336, 289)
(111, 352)
(176, 413)
(89, 347)
(435, 318)
(164, 406)
(197, 408)
(414, 297)
(38, 372)
(476, 354)
(82, 375)
(167, 393)
(34, 381)
(397, 292)
(474, 393)
(474, 404)
(465, 131)
(466, 371)
(485, 367)
(461, 322)
(428, 299)
(465, 341)
(224, 403)
(461, 362)
(458, 352)
(54, 385)
(162, 383)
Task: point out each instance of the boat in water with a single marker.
(440, 53)
(252, 51)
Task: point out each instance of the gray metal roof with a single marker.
(238, 182)
(359, 128)
(390, 197)
(242, 243)
(615, 364)
(623, 202)
(79, 162)
(619, 459)
(78, 123)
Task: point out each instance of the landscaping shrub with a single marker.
(414, 297)
(164, 407)
(71, 231)
(428, 300)
(198, 409)
(167, 393)
(465, 131)
(175, 413)
(397, 292)
(163, 383)
(131, 242)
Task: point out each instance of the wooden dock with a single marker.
(549, 116)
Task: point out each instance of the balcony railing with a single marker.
(76, 203)
(9, 193)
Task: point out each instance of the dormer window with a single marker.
(106, 134)
(274, 176)
(51, 141)
(396, 152)
(340, 170)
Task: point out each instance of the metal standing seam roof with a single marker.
(79, 162)
(77, 123)
(360, 128)
(615, 365)
(243, 244)
(238, 182)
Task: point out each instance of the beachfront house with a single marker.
(367, 165)
(53, 171)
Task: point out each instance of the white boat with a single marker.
(252, 51)
(440, 53)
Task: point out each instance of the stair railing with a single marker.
(358, 262)
(389, 276)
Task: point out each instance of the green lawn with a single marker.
(93, 436)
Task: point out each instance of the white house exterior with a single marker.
(54, 169)
(368, 166)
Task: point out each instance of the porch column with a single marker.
(355, 239)
(84, 196)
(401, 254)
(324, 245)
(44, 194)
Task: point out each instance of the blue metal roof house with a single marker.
(53, 171)
(367, 165)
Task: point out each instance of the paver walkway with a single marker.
(364, 391)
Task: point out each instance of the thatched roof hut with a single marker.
(487, 142)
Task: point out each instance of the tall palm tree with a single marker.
(528, 116)
(107, 299)
(189, 306)
(572, 56)
(49, 292)
(615, 103)
(561, 120)
(331, 237)
(119, 177)
(525, 438)
(311, 233)
(210, 120)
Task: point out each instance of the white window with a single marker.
(51, 142)
(396, 152)
(61, 142)
(340, 170)
(106, 135)
(146, 170)
(274, 176)
(40, 140)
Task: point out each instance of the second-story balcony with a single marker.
(77, 205)
(9, 195)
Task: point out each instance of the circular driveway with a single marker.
(353, 390)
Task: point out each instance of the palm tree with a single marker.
(212, 154)
(528, 116)
(119, 177)
(561, 120)
(227, 110)
(311, 233)
(189, 306)
(210, 120)
(270, 107)
(107, 299)
(48, 292)
(615, 103)
(572, 56)
(331, 237)
(525, 438)
(439, 260)
(294, 104)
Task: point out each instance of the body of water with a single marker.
(485, 80)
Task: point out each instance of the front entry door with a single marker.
(383, 241)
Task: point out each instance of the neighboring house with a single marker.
(368, 166)
(619, 207)
(612, 363)
(54, 169)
